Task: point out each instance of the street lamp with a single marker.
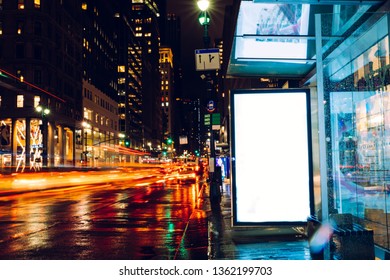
(86, 127)
(43, 111)
(203, 4)
(42, 158)
(204, 20)
(215, 193)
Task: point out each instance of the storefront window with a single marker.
(357, 101)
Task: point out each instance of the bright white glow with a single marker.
(271, 19)
(271, 155)
(203, 4)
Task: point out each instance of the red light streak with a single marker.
(32, 85)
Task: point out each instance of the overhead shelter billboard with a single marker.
(271, 157)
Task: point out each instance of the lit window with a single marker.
(1, 28)
(84, 6)
(0, 100)
(37, 100)
(121, 81)
(37, 4)
(20, 28)
(121, 68)
(20, 101)
(21, 4)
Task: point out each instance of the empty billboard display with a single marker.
(271, 156)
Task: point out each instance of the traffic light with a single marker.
(197, 153)
(169, 141)
(127, 143)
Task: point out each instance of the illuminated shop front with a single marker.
(339, 51)
(356, 90)
(32, 143)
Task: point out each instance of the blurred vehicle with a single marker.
(187, 174)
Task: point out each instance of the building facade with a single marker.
(145, 16)
(167, 90)
(41, 69)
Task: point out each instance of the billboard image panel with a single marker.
(272, 20)
(271, 151)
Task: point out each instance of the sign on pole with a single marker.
(211, 106)
(216, 121)
(207, 59)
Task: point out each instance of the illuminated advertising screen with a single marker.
(272, 20)
(271, 156)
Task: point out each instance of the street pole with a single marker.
(215, 192)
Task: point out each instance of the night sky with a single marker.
(192, 35)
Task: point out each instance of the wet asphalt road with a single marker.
(102, 222)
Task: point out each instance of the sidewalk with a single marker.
(248, 243)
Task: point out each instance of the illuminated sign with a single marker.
(271, 156)
(272, 31)
(207, 59)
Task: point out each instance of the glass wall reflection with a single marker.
(357, 94)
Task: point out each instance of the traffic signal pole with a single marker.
(215, 181)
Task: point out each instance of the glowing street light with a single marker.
(203, 5)
(43, 111)
(204, 20)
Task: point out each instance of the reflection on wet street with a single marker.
(126, 219)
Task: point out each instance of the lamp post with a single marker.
(44, 111)
(86, 127)
(215, 192)
(204, 20)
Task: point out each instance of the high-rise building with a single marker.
(40, 58)
(167, 89)
(100, 129)
(171, 37)
(145, 16)
(130, 86)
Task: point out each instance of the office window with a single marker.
(37, 100)
(20, 101)
(38, 52)
(1, 27)
(19, 29)
(0, 100)
(37, 4)
(38, 77)
(19, 51)
(21, 4)
(38, 28)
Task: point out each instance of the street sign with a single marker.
(216, 121)
(210, 106)
(207, 59)
(207, 120)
